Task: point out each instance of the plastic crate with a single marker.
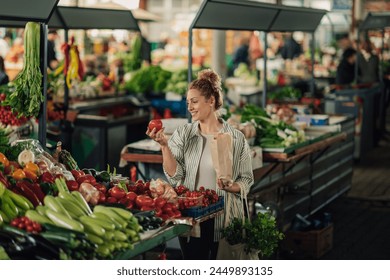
(198, 211)
(177, 107)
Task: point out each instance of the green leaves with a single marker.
(260, 234)
(27, 96)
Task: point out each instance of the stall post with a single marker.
(43, 66)
(312, 55)
(264, 95)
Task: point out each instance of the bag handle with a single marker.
(235, 208)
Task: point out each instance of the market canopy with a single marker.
(65, 17)
(17, 13)
(377, 20)
(250, 15)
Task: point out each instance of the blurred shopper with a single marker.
(290, 48)
(368, 64)
(187, 159)
(346, 69)
(52, 61)
(241, 53)
(3, 76)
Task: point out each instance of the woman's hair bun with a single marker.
(211, 76)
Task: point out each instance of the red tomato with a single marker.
(72, 185)
(146, 208)
(130, 205)
(131, 196)
(158, 211)
(167, 208)
(159, 202)
(102, 197)
(47, 177)
(117, 192)
(144, 200)
(111, 199)
(100, 187)
(155, 124)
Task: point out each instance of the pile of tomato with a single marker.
(26, 224)
(7, 117)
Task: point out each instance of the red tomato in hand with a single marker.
(155, 124)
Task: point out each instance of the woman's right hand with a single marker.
(159, 136)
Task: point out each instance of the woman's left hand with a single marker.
(226, 186)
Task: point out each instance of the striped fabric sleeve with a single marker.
(176, 145)
(245, 173)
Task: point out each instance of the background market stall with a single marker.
(92, 132)
(253, 16)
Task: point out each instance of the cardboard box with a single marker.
(310, 244)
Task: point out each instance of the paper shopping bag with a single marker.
(222, 157)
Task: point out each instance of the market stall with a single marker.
(114, 128)
(248, 15)
(12, 15)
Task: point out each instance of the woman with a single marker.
(187, 158)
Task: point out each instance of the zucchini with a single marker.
(82, 202)
(94, 238)
(36, 217)
(119, 236)
(125, 214)
(51, 203)
(63, 221)
(73, 209)
(19, 200)
(90, 226)
(103, 216)
(104, 223)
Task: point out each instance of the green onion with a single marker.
(27, 97)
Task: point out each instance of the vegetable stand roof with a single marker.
(78, 18)
(249, 15)
(377, 20)
(92, 18)
(26, 10)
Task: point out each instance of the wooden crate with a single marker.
(310, 244)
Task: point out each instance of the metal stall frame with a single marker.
(12, 15)
(254, 16)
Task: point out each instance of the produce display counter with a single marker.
(160, 236)
(154, 238)
(308, 179)
(303, 181)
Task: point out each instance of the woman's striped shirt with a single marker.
(186, 145)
